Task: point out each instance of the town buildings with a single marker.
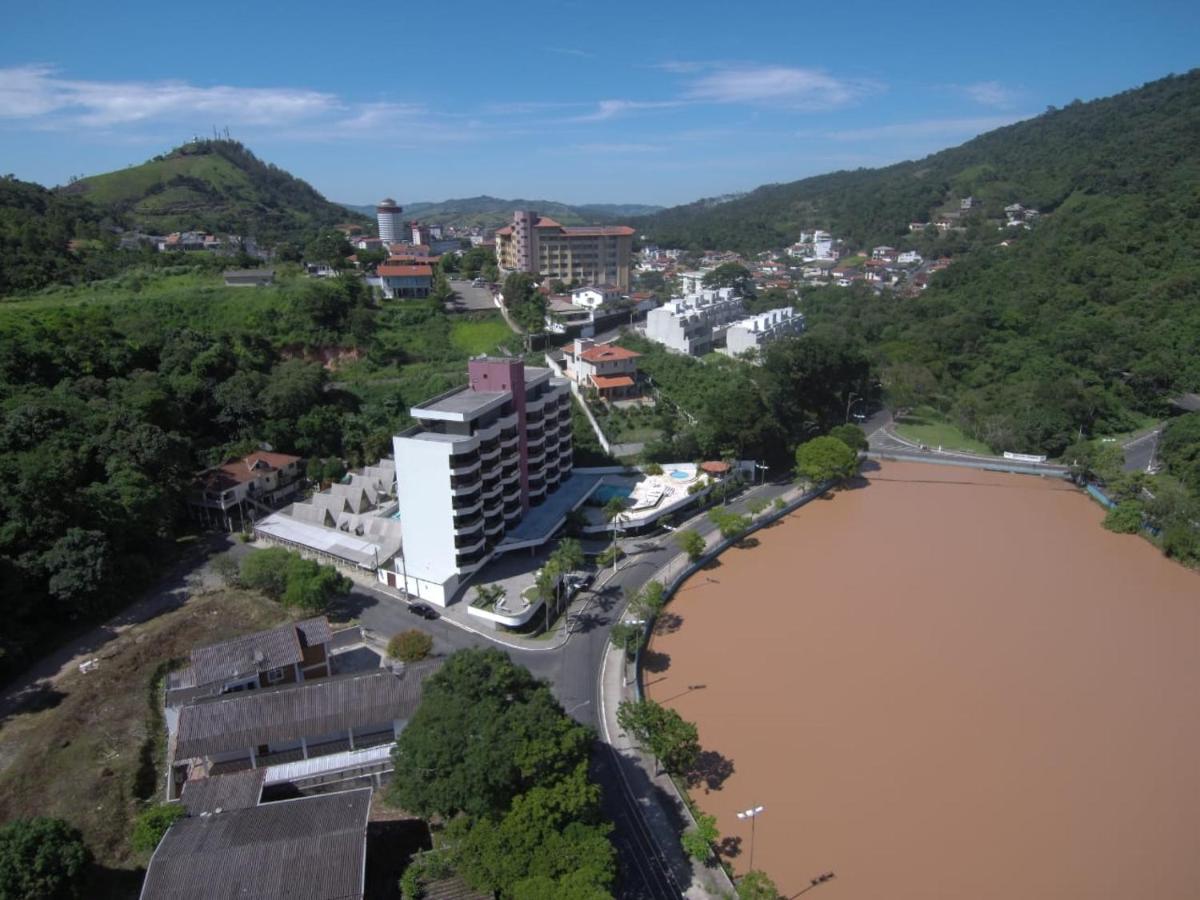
(404, 281)
(231, 844)
(478, 460)
(389, 215)
(756, 332)
(610, 370)
(592, 254)
(261, 479)
(693, 323)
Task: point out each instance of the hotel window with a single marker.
(274, 676)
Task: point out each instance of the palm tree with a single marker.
(614, 514)
(567, 557)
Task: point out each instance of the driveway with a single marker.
(468, 298)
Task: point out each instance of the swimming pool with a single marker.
(680, 475)
(606, 492)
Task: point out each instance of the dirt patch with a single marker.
(89, 749)
(950, 683)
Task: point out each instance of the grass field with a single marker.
(480, 334)
(89, 750)
(924, 427)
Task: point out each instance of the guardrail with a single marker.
(993, 465)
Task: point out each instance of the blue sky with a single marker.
(575, 101)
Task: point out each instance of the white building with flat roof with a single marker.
(756, 332)
(692, 282)
(478, 460)
(693, 323)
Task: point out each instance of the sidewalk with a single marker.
(654, 794)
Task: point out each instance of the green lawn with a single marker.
(932, 432)
(479, 335)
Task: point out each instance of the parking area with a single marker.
(468, 298)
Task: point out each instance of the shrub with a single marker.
(41, 858)
(654, 469)
(1124, 518)
(690, 542)
(293, 580)
(153, 823)
(779, 504)
(410, 646)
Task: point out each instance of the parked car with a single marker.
(425, 612)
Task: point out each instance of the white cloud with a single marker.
(610, 109)
(602, 147)
(796, 88)
(572, 51)
(925, 128)
(38, 92)
(990, 93)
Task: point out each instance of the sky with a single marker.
(579, 102)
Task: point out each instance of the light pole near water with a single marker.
(752, 814)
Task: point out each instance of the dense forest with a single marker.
(113, 395)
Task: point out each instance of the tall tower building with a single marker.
(391, 225)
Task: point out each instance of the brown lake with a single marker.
(947, 683)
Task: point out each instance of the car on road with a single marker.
(478, 282)
(424, 611)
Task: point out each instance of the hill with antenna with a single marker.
(213, 185)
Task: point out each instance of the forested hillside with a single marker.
(213, 185)
(1085, 324)
(113, 395)
(1141, 141)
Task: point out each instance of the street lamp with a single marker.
(762, 467)
(849, 401)
(752, 814)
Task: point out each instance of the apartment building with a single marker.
(692, 324)
(756, 332)
(592, 254)
(478, 460)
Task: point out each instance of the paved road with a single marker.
(471, 299)
(573, 672)
(1139, 452)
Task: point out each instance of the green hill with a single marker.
(1121, 145)
(1083, 325)
(493, 212)
(212, 185)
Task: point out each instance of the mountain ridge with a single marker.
(486, 211)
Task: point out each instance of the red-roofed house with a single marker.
(611, 370)
(405, 281)
(590, 254)
(262, 479)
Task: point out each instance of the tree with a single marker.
(755, 885)
(691, 542)
(731, 275)
(42, 859)
(329, 247)
(825, 459)
(698, 842)
(673, 741)
(850, 435)
(488, 595)
(729, 524)
(152, 823)
(551, 843)
(629, 636)
(486, 731)
(409, 646)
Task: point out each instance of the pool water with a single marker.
(680, 474)
(606, 492)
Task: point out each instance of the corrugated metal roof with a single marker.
(313, 848)
(239, 790)
(250, 653)
(276, 715)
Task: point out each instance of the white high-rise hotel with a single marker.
(391, 226)
(467, 474)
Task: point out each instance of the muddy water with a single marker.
(948, 684)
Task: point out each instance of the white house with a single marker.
(593, 297)
(756, 332)
(691, 324)
(692, 282)
(909, 258)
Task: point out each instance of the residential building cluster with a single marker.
(692, 324)
(758, 331)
